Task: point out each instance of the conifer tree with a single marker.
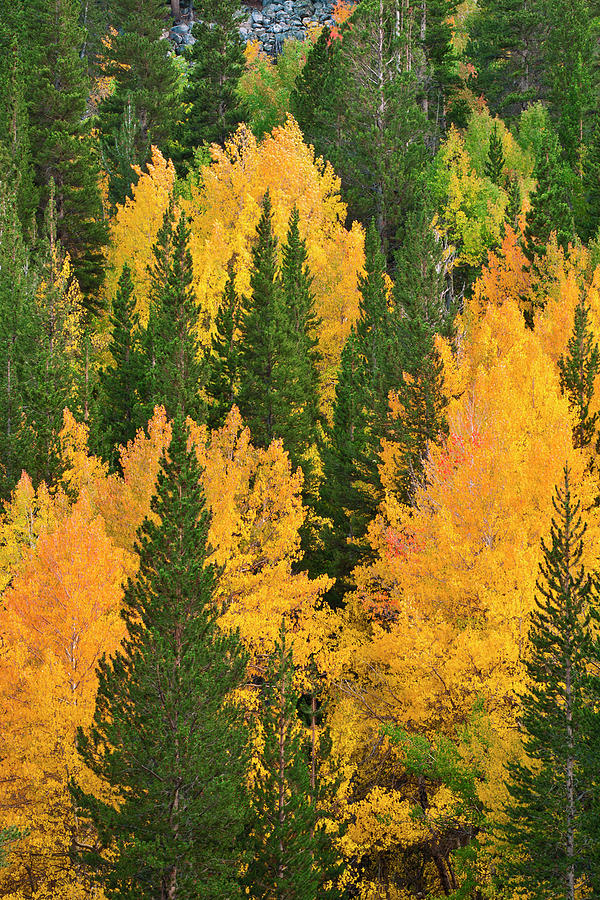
(144, 106)
(117, 422)
(62, 147)
(167, 736)
(15, 150)
(547, 849)
(515, 203)
(588, 212)
(298, 373)
(578, 368)
(351, 488)
(173, 370)
(221, 385)
(18, 335)
(495, 162)
(505, 45)
(262, 336)
(292, 855)
(216, 63)
(422, 309)
(551, 206)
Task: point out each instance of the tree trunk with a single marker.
(176, 9)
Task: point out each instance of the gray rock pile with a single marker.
(272, 24)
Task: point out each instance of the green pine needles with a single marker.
(167, 736)
(551, 834)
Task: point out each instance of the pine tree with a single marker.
(364, 113)
(221, 385)
(145, 104)
(547, 853)
(117, 405)
(505, 46)
(578, 368)
(551, 205)
(495, 162)
(167, 736)
(423, 309)
(292, 855)
(216, 63)
(62, 147)
(262, 336)
(298, 376)
(18, 335)
(588, 211)
(342, 495)
(15, 150)
(515, 202)
(173, 369)
(351, 488)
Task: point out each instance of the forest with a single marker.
(299, 450)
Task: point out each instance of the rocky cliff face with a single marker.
(270, 22)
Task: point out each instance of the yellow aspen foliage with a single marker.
(506, 276)
(472, 208)
(440, 618)
(257, 511)
(135, 227)
(59, 616)
(27, 516)
(223, 209)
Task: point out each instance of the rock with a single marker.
(180, 29)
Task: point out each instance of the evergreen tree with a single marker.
(216, 63)
(423, 309)
(495, 162)
(548, 853)
(18, 334)
(298, 374)
(172, 367)
(342, 496)
(588, 210)
(15, 150)
(551, 204)
(505, 46)
(167, 737)
(144, 106)
(221, 385)
(515, 202)
(262, 337)
(62, 147)
(351, 490)
(568, 60)
(364, 113)
(117, 423)
(578, 369)
(292, 854)
(441, 80)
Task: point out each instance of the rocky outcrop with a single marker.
(281, 20)
(270, 22)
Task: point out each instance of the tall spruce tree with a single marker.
(116, 422)
(172, 365)
(62, 147)
(216, 63)
(18, 336)
(222, 365)
(548, 853)
(145, 105)
(423, 308)
(495, 162)
(167, 736)
(298, 372)
(578, 369)
(292, 854)
(505, 45)
(551, 202)
(351, 488)
(262, 336)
